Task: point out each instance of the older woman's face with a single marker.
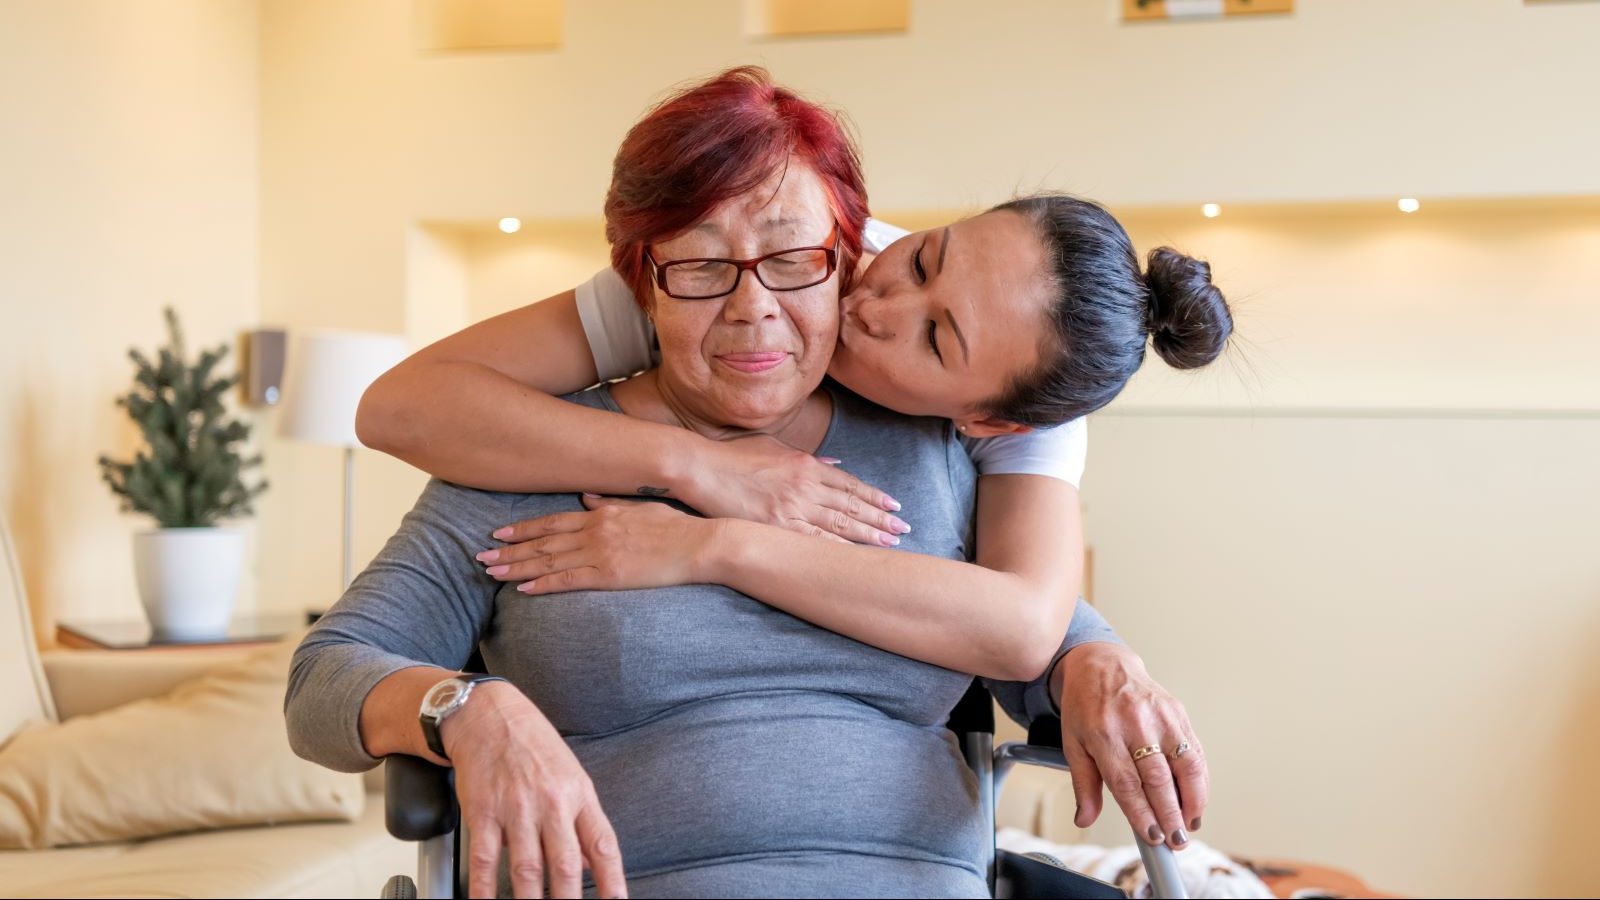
(750, 359)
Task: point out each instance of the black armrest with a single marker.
(1045, 732)
(419, 798)
(975, 712)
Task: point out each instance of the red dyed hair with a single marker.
(711, 143)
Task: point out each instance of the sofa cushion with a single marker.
(343, 859)
(213, 752)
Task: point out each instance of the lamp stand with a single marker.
(349, 513)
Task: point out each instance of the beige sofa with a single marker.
(344, 859)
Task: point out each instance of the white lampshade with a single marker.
(328, 372)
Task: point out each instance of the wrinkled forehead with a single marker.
(789, 209)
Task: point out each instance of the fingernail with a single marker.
(525, 587)
(888, 540)
(1154, 833)
(899, 526)
(1194, 825)
(503, 534)
(891, 504)
(497, 571)
(1179, 838)
(829, 460)
(488, 555)
(591, 496)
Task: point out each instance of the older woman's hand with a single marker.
(762, 479)
(1111, 707)
(617, 545)
(520, 787)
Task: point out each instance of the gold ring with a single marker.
(1181, 749)
(1147, 750)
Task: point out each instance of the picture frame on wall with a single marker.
(1161, 10)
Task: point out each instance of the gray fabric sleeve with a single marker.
(423, 601)
(1024, 702)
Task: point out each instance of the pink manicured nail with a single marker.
(829, 460)
(889, 540)
(526, 587)
(503, 534)
(488, 555)
(591, 496)
(891, 504)
(497, 571)
(899, 527)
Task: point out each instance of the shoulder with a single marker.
(1059, 452)
(876, 235)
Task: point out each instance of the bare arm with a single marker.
(481, 408)
(1002, 618)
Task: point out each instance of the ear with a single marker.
(977, 426)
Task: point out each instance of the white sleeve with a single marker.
(877, 236)
(620, 335)
(1059, 452)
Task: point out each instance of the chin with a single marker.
(754, 414)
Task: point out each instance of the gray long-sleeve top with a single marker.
(729, 742)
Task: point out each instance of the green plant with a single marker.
(190, 473)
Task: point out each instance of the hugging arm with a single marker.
(482, 408)
(1002, 617)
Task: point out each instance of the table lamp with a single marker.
(328, 372)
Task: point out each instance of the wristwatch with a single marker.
(444, 699)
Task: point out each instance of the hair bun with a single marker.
(1189, 318)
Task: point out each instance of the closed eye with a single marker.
(932, 328)
(917, 270)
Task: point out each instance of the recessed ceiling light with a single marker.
(1211, 210)
(1409, 205)
(510, 225)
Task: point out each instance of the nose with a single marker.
(750, 302)
(875, 312)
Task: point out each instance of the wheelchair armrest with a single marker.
(1045, 732)
(1044, 749)
(419, 798)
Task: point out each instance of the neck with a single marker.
(646, 396)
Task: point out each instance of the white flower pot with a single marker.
(188, 579)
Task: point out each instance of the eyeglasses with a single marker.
(786, 270)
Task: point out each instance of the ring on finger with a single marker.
(1181, 749)
(1147, 750)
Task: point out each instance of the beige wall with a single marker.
(127, 182)
(1386, 631)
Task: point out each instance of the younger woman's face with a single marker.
(944, 319)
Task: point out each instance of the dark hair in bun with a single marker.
(1103, 310)
(1189, 318)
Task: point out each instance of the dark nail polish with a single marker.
(1179, 838)
(1195, 825)
(1154, 833)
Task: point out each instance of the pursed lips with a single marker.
(753, 362)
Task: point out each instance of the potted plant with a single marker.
(187, 477)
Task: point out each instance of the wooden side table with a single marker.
(244, 631)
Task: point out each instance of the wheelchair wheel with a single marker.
(400, 887)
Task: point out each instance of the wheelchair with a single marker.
(420, 805)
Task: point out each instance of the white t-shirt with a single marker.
(623, 342)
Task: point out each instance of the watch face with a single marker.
(441, 696)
